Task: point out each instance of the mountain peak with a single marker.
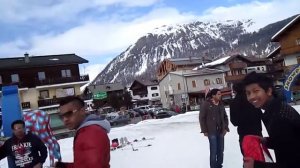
(211, 39)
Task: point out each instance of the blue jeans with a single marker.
(216, 146)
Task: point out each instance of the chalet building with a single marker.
(277, 68)
(176, 64)
(237, 66)
(145, 92)
(43, 80)
(188, 87)
(289, 51)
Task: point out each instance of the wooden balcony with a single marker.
(235, 78)
(51, 81)
(48, 102)
(55, 101)
(237, 65)
(25, 105)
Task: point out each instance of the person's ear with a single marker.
(269, 92)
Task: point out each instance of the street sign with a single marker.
(100, 95)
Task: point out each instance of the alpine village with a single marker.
(158, 77)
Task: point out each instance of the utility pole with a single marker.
(186, 97)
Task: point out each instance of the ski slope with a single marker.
(174, 142)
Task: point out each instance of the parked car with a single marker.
(165, 114)
(159, 109)
(143, 113)
(133, 113)
(106, 110)
(118, 119)
(146, 107)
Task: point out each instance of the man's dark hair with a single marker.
(69, 99)
(214, 92)
(17, 122)
(262, 80)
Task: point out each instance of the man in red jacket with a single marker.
(91, 144)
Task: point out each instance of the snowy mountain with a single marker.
(196, 39)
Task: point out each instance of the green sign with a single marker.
(100, 95)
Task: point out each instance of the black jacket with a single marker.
(283, 125)
(24, 152)
(245, 116)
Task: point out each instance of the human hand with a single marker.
(39, 165)
(248, 162)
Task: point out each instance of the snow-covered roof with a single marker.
(82, 88)
(200, 72)
(188, 60)
(275, 37)
(216, 62)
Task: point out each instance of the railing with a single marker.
(237, 65)
(50, 81)
(235, 77)
(25, 105)
(48, 102)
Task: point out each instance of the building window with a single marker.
(0, 79)
(194, 83)
(66, 73)
(69, 91)
(206, 82)
(44, 94)
(154, 94)
(154, 88)
(219, 81)
(15, 78)
(298, 41)
(178, 86)
(41, 75)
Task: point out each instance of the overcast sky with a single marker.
(99, 30)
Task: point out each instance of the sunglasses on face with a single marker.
(68, 114)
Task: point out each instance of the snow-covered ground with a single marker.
(176, 142)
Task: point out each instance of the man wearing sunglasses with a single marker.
(91, 144)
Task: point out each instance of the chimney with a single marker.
(26, 55)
